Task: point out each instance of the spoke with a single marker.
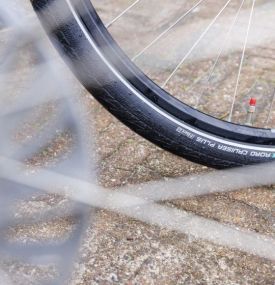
(221, 50)
(242, 61)
(167, 30)
(122, 13)
(195, 44)
(270, 109)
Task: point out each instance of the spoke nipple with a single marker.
(253, 102)
(251, 111)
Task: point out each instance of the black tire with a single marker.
(133, 98)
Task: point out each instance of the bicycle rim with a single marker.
(235, 137)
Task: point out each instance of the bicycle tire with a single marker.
(123, 89)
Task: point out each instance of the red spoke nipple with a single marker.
(251, 111)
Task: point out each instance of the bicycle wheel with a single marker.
(148, 109)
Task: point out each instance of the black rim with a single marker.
(160, 97)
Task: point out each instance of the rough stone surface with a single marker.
(119, 250)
